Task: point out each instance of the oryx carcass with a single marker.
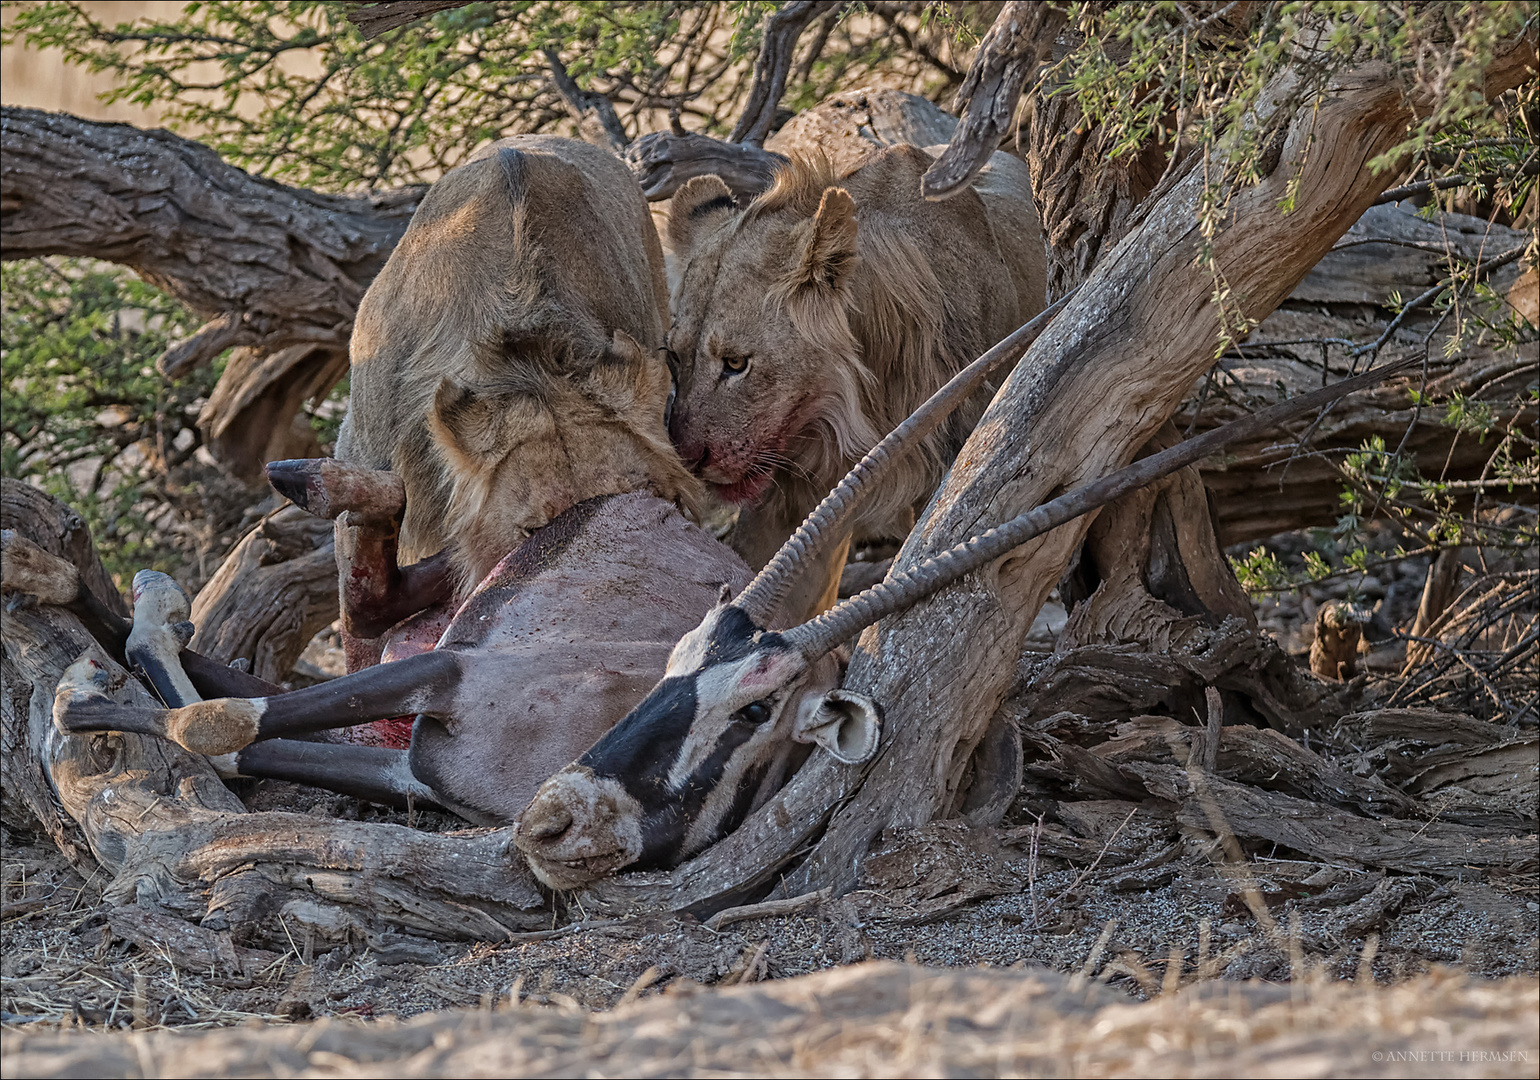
(559, 641)
(508, 411)
(676, 774)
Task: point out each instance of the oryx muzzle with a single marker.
(687, 762)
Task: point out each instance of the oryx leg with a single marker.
(31, 571)
(161, 630)
(418, 684)
(374, 773)
(375, 591)
(156, 645)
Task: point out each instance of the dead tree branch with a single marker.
(1021, 37)
(277, 270)
(782, 29)
(275, 590)
(587, 108)
(373, 20)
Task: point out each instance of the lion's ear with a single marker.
(701, 201)
(475, 430)
(830, 252)
(633, 381)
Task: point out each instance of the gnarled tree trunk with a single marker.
(1093, 390)
(277, 270)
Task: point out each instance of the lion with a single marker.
(812, 321)
(507, 361)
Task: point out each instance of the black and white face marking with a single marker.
(683, 769)
(686, 761)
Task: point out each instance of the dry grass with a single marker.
(878, 1019)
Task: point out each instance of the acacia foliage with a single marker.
(294, 91)
(86, 415)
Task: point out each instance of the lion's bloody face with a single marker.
(768, 366)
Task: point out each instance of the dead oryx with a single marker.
(560, 640)
(687, 765)
(736, 706)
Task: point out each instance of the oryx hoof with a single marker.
(157, 596)
(82, 701)
(26, 570)
(326, 488)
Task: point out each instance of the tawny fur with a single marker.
(848, 300)
(526, 297)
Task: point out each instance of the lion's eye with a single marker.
(756, 712)
(735, 365)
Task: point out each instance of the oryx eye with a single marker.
(756, 712)
(734, 365)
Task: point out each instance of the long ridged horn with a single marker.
(904, 588)
(763, 595)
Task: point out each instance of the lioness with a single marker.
(819, 316)
(506, 362)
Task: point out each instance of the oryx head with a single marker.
(736, 708)
(740, 702)
(686, 765)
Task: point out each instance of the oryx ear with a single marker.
(845, 724)
(830, 252)
(701, 202)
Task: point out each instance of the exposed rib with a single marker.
(762, 597)
(904, 588)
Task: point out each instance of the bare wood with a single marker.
(1264, 486)
(792, 905)
(847, 126)
(589, 109)
(271, 266)
(188, 947)
(253, 416)
(663, 162)
(1094, 390)
(1438, 592)
(373, 20)
(782, 29)
(275, 590)
(1213, 729)
(60, 531)
(1021, 37)
(27, 800)
(176, 213)
(1338, 837)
